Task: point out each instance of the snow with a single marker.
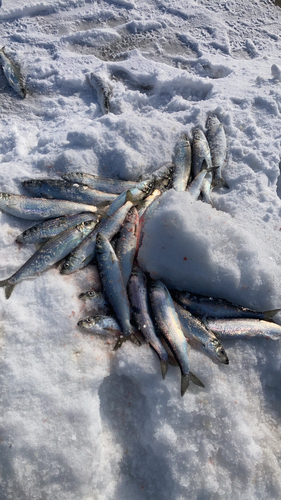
(78, 420)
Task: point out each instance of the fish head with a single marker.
(90, 294)
(218, 351)
(87, 322)
(87, 226)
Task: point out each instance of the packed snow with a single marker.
(80, 421)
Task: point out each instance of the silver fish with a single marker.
(204, 307)
(114, 288)
(168, 322)
(200, 337)
(138, 296)
(25, 207)
(102, 325)
(201, 155)
(103, 90)
(105, 184)
(12, 73)
(127, 243)
(97, 301)
(182, 163)
(64, 190)
(138, 193)
(48, 254)
(49, 228)
(243, 328)
(85, 252)
(217, 143)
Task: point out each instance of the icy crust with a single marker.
(194, 247)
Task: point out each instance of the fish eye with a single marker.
(66, 265)
(91, 294)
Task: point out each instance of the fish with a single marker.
(210, 307)
(13, 74)
(201, 160)
(85, 252)
(217, 143)
(25, 207)
(168, 322)
(138, 296)
(201, 155)
(138, 193)
(103, 91)
(114, 289)
(51, 227)
(64, 190)
(182, 163)
(126, 245)
(242, 328)
(102, 325)
(105, 184)
(97, 301)
(48, 254)
(200, 337)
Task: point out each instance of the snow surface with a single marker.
(79, 421)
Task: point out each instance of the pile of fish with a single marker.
(86, 218)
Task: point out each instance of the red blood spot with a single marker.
(164, 247)
(185, 258)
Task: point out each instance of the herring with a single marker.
(243, 328)
(103, 91)
(48, 254)
(25, 207)
(126, 245)
(138, 295)
(182, 163)
(64, 190)
(210, 307)
(12, 73)
(114, 288)
(51, 227)
(217, 143)
(168, 322)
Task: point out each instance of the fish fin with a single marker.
(164, 368)
(8, 288)
(220, 183)
(211, 169)
(129, 196)
(103, 214)
(184, 383)
(269, 314)
(195, 380)
(2, 50)
(102, 204)
(123, 338)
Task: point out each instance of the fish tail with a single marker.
(8, 288)
(220, 182)
(164, 368)
(195, 380)
(184, 383)
(123, 338)
(269, 314)
(2, 50)
(185, 379)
